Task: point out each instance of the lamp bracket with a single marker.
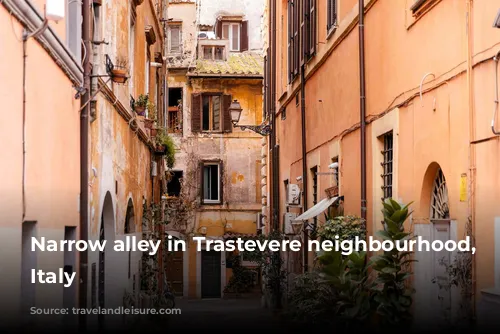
(262, 129)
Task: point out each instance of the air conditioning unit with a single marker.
(154, 169)
(260, 221)
(288, 222)
(293, 194)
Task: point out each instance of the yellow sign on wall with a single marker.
(463, 188)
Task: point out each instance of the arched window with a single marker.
(439, 198)
(130, 218)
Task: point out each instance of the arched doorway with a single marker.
(106, 233)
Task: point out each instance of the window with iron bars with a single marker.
(387, 153)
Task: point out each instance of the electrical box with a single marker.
(54, 9)
(260, 221)
(293, 194)
(288, 222)
(154, 168)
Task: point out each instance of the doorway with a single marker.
(440, 219)
(175, 272)
(210, 274)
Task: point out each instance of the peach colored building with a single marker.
(431, 87)
(40, 159)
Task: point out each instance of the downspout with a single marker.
(472, 151)
(84, 160)
(276, 256)
(362, 101)
(272, 147)
(304, 160)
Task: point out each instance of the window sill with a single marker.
(331, 31)
(211, 203)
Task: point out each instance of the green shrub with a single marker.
(312, 300)
(346, 227)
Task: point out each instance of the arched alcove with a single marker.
(130, 218)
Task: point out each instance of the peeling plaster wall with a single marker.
(120, 158)
(240, 152)
(251, 9)
(185, 12)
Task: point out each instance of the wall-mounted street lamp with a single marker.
(235, 112)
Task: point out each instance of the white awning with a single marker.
(317, 209)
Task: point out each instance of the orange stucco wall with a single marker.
(433, 131)
(52, 155)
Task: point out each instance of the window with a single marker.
(293, 39)
(331, 20)
(387, 165)
(174, 184)
(74, 29)
(213, 52)
(336, 171)
(175, 39)
(175, 110)
(231, 31)
(235, 32)
(301, 46)
(211, 183)
(210, 112)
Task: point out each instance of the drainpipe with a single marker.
(304, 161)
(362, 101)
(472, 151)
(84, 160)
(274, 187)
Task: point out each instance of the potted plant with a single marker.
(151, 119)
(141, 104)
(165, 146)
(119, 71)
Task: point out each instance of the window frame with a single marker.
(387, 164)
(179, 47)
(210, 116)
(230, 24)
(204, 164)
(331, 16)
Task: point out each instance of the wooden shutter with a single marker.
(329, 14)
(312, 27)
(218, 28)
(226, 119)
(296, 46)
(304, 33)
(244, 36)
(221, 183)
(196, 112)
(290, 40)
